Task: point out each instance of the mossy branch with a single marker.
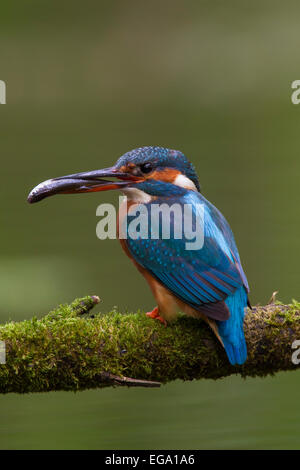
(70, 349)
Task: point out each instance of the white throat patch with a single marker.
(136, 195)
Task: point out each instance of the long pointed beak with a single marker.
(90, 181)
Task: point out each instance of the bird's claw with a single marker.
(156, 316)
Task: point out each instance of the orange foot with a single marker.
(155, 314)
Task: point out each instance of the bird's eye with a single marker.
(146, 167)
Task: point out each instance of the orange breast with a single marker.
(166, 301)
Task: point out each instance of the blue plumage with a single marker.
(231, 330)
(205, 281)
(211, 279)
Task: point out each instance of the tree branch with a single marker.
(70, 349)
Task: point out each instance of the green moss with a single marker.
(284, 314)
(69, 349)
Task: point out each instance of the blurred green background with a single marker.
(88, 81)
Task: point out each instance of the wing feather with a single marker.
(201, 278)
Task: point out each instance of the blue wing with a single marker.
(202, 278)
(224, 226)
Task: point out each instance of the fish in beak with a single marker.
(90, 181)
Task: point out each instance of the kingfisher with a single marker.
(206, 283)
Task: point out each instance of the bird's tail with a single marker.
(231, 330)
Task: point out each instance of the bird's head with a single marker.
(151, 170)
